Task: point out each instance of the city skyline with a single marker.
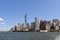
(12, 11)
(37, 26)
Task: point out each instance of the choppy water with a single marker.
(29, 36)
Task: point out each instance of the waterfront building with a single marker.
(30, 28)
(59, 26)
(36, 24)
(25, 27)
(19, 27)
(56, 24)
(42, 25)
(25, 24)
(45, 26)
(14, 28)
(11, 30)
(52, 28)
(48, 25)
(33, 26)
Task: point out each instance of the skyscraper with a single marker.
(25, 24)
(25, 18)
(36, 24)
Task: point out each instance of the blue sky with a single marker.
(13, 11)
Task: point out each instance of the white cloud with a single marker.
(1, 20)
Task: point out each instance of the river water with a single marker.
(29, 36)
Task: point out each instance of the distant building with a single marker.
(14, 29)
(25, 18)
(56, 24)
(45, 26)
(48, 25)
(36, 24)
(25, 24)
(33, 26)
(30, 28)
(59, 26)
(42, 25)
(11, 30)
(19, 27)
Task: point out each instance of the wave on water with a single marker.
(57, 37)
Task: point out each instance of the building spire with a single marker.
(25, 18)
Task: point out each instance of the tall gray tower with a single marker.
(25, 18)
(35, 19)
(36, 24)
